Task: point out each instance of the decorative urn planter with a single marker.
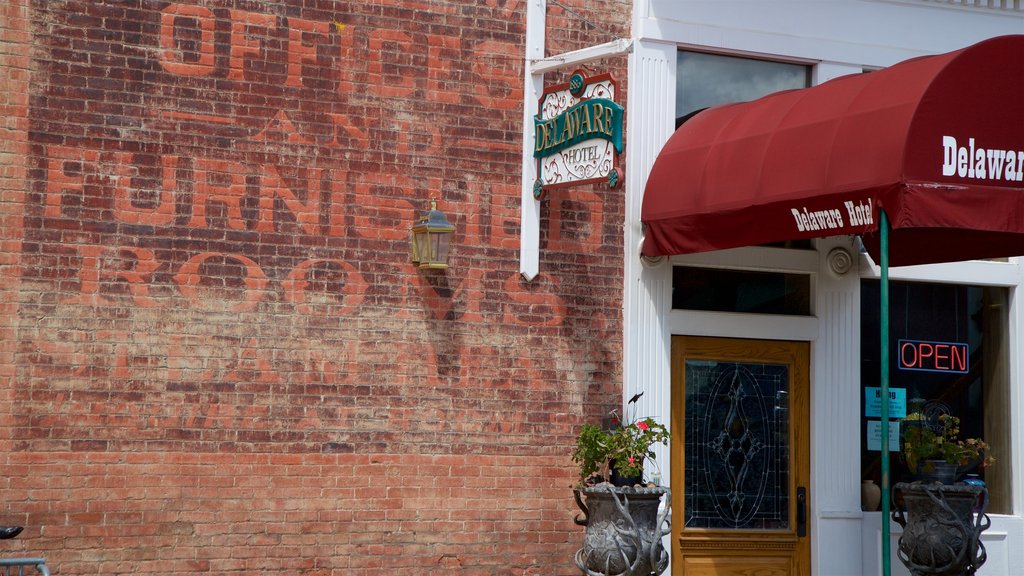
(624, 528)
(942, 528)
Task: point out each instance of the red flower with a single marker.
(631, 461)
(642, 425)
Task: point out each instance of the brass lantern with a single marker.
(431, 239)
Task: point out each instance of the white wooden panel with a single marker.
(865, 32)
(733, 325)
(976, 272)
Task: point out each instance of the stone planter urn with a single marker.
(942, 528)
(623, 530)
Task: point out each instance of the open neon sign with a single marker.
(933, 356)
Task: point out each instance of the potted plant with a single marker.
(623, 515)
(933, 451)
(942, 522)
(618, 454)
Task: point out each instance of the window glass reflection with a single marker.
(704, 80)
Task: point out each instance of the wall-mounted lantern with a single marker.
(431, 239)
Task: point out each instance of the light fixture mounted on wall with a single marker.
(431, 239)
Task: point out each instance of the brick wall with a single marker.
(216, 355)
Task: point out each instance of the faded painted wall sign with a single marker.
(578, 134)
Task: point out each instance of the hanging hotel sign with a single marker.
(578, 134)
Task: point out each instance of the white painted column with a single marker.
(836, 528)
(1015, 526)
(647, 290)
(837, 520)
(533, 87)
(646, 301)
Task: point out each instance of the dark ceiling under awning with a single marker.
(937, 142)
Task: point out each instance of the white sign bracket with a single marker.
(533, 87)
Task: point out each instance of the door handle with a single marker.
(801, 511)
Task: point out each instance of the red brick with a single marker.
(216, 355)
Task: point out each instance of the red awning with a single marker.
(937, 141)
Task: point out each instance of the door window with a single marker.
(737, 445)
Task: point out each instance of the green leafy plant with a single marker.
(925, 440)
(624, 446)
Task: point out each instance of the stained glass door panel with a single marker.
(737, 445)
(740, 457)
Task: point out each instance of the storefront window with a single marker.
(704, 80)
(948, 355)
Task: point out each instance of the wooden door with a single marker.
(740, 457)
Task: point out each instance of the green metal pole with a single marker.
(884, 385)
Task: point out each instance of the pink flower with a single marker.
(642, 425)
(631, 461)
